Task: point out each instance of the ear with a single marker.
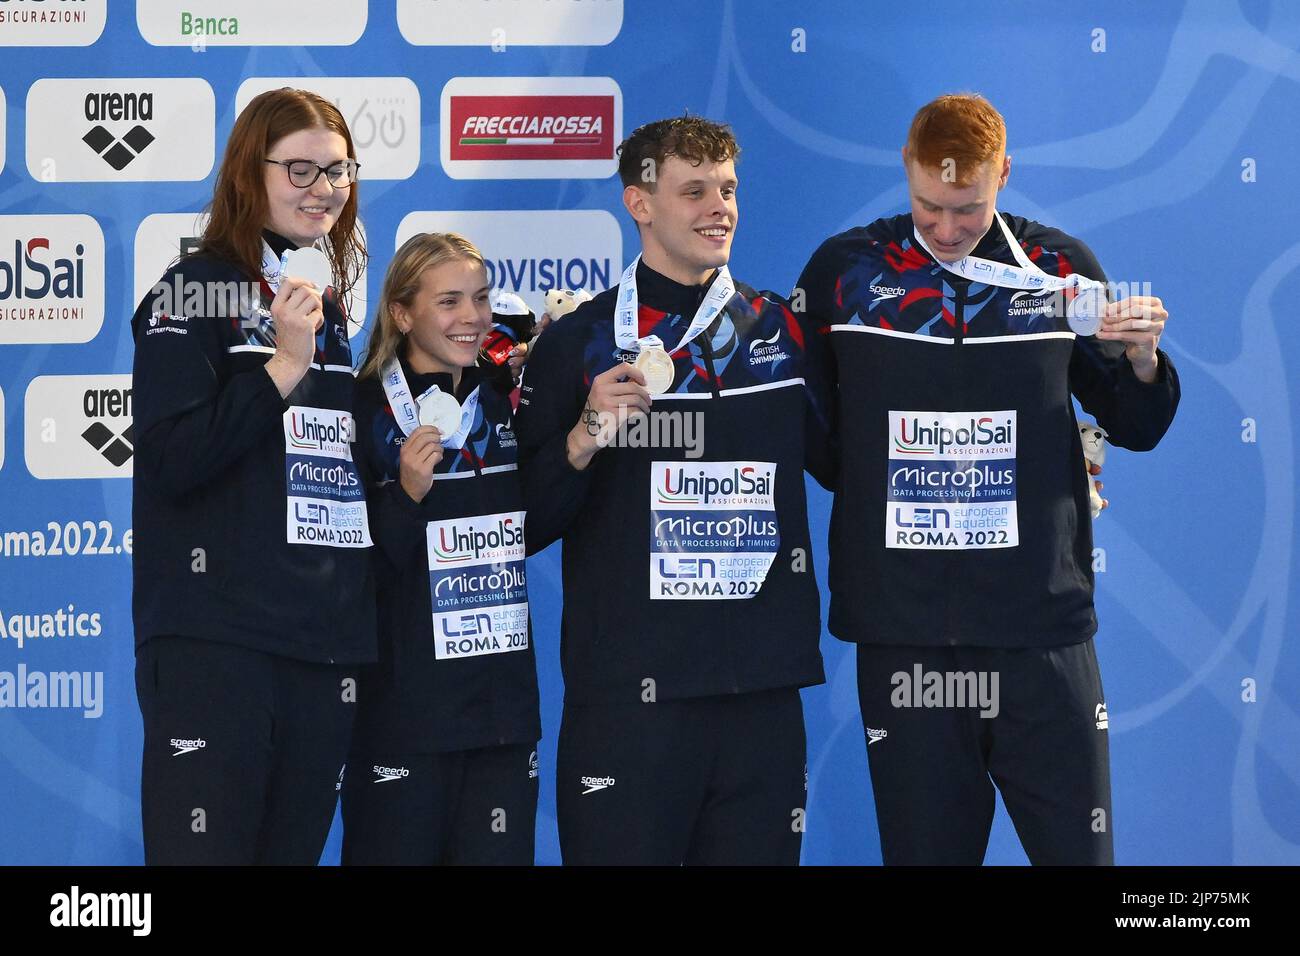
(401, 318)
(1006, 171)
(637, 202)
(904, 152)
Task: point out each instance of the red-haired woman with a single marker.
(253, 599)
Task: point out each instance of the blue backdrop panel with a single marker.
(1164, 135)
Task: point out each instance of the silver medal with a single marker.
(1085, 309)
(440, 410)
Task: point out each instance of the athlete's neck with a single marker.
(422, 363)
(681, 273)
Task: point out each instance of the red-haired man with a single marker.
(961, 540)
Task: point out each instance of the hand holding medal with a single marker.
(420, 455)
(616, 395)
(1138, 322)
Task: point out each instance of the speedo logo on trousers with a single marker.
(389, 774)
(187, 746)
(595, 783)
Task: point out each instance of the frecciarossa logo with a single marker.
(477, 541)
(532, 127)
(941, 437)
(685, 485)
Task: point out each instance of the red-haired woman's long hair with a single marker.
(239, 209)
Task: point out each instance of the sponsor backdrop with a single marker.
(1165, 136)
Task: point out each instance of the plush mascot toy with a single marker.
(1093, 438)
(560, 302)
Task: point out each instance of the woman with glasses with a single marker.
(253, 598)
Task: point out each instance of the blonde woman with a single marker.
(443, 767)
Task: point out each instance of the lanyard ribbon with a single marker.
(625, 312)
(406, 409)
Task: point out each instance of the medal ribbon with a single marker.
(406, 408)
(1026, 275)
(625, 311)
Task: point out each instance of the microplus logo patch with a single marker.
(952, 480)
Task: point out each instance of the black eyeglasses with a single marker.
(303, 173)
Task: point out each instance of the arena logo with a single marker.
(502, 24)
(51, 279)
(120, 130)
(79, 426)
(382, 113)
(199, 24)
(52, 22)
(530, 127)
(118, 153)
(530, 252)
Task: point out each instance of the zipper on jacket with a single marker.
(960, 286)
(706, 343)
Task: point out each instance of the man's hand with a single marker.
(421, 453)
(616, 395)
(1138, 322)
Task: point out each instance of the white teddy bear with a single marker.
(1093, 438)
(560, 302)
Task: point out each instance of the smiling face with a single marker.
(951, 218)
(448, 319)
(305, 215)
(688, 221)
